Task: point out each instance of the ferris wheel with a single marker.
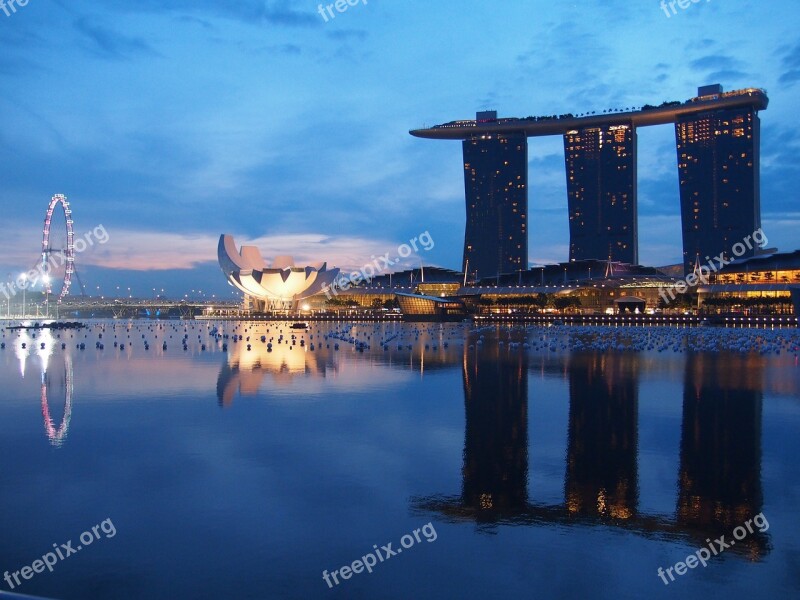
(58, 249)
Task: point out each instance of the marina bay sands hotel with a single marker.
(718, 146)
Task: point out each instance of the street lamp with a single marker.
(24, 278)
(46, 280)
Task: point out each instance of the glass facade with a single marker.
(601, 190)
(496, 185)
(718, 164)
(758, 276)
(438, 289)
(412, 304)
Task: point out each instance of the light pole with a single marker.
(46, 280)
(24, 278)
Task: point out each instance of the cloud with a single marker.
(714, 61)
(720, 68)
(205, 24)
(110, 44)
(348, 34)
(284, 13)
(727, 75)
(791, 64)
(249, 122)
(16, 65)
(133, 250)
(293, 49)
(790, 77)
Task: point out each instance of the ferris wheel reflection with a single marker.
(41, 347)
(57, 436)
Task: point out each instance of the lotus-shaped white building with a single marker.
(279, 284)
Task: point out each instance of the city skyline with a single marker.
(163, 122)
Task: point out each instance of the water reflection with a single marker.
(57, 436)
(248, 363)
(720, 463)
(602, 475)
(718, 468)
(496, 436)
(40, 344)
(719, 484)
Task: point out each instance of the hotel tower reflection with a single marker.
(496, 436)
(719, 480)
(720, 465)
(602, 476)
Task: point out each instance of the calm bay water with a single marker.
(246, 473)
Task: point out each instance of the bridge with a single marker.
(131, 308)
(127, 308)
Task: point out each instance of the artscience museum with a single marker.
(281, 285)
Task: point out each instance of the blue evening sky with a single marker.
(170, 122)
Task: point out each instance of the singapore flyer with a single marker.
(58, 248)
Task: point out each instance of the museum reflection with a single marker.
(248, 364)
(719, 478)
